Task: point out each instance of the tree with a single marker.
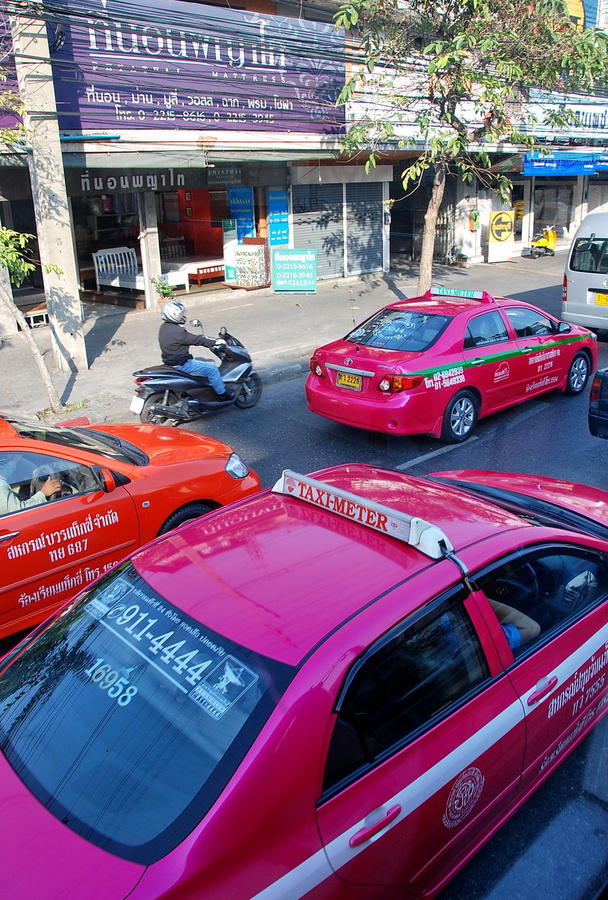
(454, 78)
(14, 258)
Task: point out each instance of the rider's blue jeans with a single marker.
(205, 367)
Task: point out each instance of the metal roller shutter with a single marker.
(318, 223)
(364, 225)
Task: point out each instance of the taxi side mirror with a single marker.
(564, 328)
(106, 479)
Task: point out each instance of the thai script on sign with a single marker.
(67, 583)
(579, 682)
(445, 378)
(55, 538)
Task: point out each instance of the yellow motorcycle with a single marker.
(543, 243)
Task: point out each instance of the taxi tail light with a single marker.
(315, 367)
(394, 384)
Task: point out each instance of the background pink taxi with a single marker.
(435, 364)
(304, 695)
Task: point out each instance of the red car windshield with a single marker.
(126, 718)
(400, 329)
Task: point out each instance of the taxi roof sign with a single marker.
(456, 292)
(412, 530)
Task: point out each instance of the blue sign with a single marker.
(564, 164)
(240, 202)
(278, 217)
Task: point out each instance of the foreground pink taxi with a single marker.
(436, 364)
(338, 688)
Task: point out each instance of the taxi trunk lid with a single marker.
(351, 368)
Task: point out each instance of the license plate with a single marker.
(601, 299)
(137, 404)
(349, 380)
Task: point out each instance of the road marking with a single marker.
(432, 454)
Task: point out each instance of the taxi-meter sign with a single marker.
(502, 226)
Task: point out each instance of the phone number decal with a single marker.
(175, 645)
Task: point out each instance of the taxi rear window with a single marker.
(399, 329)
(126, 717)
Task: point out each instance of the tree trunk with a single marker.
(425, 274)
(54, 401)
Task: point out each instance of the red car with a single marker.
(119, 486)
(336, 689)
(437, 363)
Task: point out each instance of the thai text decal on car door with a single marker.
(52, 550)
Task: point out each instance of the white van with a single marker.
(585, 295)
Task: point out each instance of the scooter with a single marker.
(543, 243)
(166, 395)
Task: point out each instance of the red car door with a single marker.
(51, 551)
(561, 672)
(543, 362)
(425, 754)
(492, 359)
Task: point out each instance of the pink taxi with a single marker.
(338, 688)
(436, 364)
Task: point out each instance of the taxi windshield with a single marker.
(400, 329)
(81, 439)
(126, 717)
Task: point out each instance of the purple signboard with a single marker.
(183, 65)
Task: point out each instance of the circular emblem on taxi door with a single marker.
(465, 793)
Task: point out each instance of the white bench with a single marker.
(117, 267)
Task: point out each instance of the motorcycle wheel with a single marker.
(167, 398)
(534, 254)
(249, 392)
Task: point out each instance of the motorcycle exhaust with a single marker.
(170, 412)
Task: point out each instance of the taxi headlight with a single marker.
(236, 467)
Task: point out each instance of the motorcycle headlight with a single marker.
(236, 467)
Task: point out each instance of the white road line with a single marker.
(432, 454)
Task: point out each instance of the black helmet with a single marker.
(173, 311)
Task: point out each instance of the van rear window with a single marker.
(590, 254)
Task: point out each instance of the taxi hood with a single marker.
(42, 857)
(166, 446)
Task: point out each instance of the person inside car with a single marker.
(175, 342)
(518, 628)
(9, 499)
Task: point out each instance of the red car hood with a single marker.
(579, 498)
(41, 857)
(165, 445)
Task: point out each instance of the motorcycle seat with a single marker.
(171, 370)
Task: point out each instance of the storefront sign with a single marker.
(195, 67)
(564, 164)
(278, 217)
(501, 235)
(224, 175)
(294, 271)
(240, 202)
(230, 245)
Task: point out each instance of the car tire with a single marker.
(578, 374)
(183, 515)
(164, 397)
(248, 392)
(460, 417)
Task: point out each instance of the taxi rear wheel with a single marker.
(578, 374)
(460, 417)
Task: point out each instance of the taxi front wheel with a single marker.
(460, 417)
(578, 374)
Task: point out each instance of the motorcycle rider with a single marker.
(175, 340)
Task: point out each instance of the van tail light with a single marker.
(394, 384)
(596, 391)
(315, 367)
(565, 290)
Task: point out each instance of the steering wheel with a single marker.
(518, 592)
(40, 476)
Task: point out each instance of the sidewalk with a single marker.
(279, 330)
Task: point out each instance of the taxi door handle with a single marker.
(477, 361)
(529, 349)
(366, 834)
(7, 537)
(543, 687)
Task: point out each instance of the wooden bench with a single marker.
(198, 269)
(118, 267)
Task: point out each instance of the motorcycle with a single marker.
(543, 243)
(164, 394)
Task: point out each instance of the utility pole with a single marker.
(53, 221)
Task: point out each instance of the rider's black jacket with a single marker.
(174, 341)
